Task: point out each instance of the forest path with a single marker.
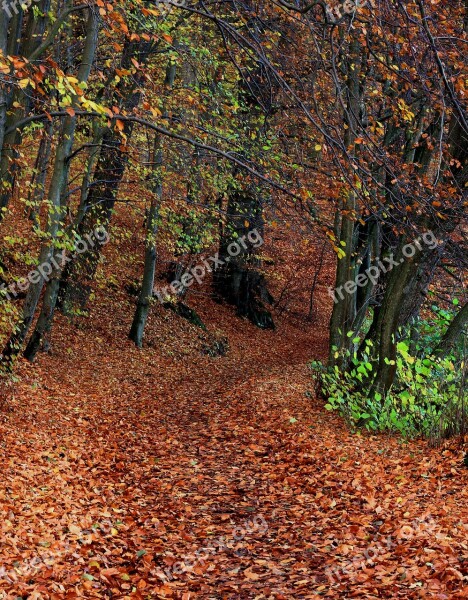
(124, 462)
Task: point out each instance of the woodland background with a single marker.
(299, 147)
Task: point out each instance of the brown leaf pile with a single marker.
(120, 466)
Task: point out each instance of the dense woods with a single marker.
(261, 186)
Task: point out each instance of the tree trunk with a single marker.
(238, 281)
(91, 161)
(344, 307)
(37, 193)
(23, 45)
(146, 294)
(110, 168)
(57, 208)
(44, 322)
(455, 330)
(4, 23)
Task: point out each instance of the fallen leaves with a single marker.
(135, 460)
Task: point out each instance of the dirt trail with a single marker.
(119, 463)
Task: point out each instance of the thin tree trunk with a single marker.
(4, 23)
(23, 45)
(37, 193)
(102, 195)
(146, 294)
(147, 288)
(57, 209)
(89, 170)
(344, 308)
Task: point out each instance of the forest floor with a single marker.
(118, 465)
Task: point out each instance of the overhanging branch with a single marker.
(230, 156)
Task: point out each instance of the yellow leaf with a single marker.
(74, 529)
(249, 574)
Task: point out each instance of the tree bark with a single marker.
(28, 46)
(57, 208)
(456, 329)
(238, 281)
(4, 93)
(37, 193)
(146, 294)
(344, 307)
(110, 169)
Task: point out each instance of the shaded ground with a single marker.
(118, 463)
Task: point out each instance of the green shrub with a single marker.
(424, 388)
